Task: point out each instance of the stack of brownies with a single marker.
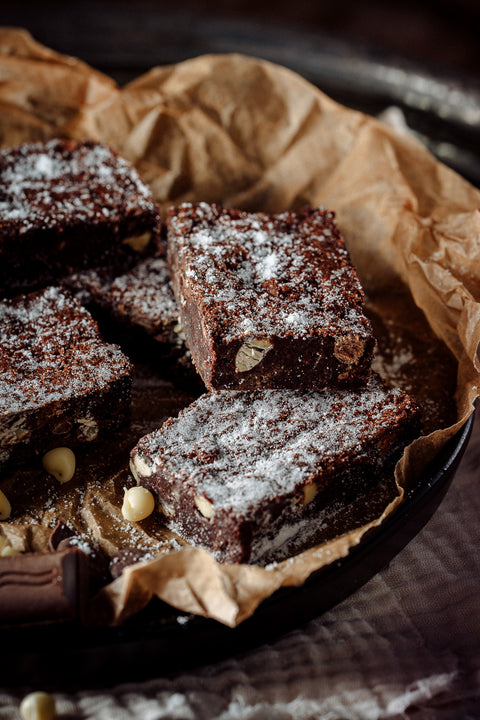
(272, 311)
(269, 308)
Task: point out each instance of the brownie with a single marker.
(60, 383)
(246, 474)
(268, 301)
(139, 300)
(66, 205)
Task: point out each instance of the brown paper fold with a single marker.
(246, 133)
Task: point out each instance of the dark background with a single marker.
(421, 56)
(115, 36)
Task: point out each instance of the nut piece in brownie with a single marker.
(66, 205)
(268, 301)
(135, 307)
(246, 474)
(60, 383)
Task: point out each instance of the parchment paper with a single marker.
(249, 134)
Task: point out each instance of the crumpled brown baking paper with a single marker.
(249, 134)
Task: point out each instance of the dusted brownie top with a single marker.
(287, 274)
(142, 296)
(63, 181)
(50, 350)
(239, 448)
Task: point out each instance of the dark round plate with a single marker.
(446, 114)
(156, 641)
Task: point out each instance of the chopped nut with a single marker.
(139, 468)
(9, 551)
(60, 462)
(6, 549)
(178, 329)
(138, 242)
(14, 432)
(251, 352)
(88, 427)
(138, 503)
(205, 506)
(37, 706)
(5, 507)
(348, 349)
(309, 492)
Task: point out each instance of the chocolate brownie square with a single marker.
(60, 383)
(137, 309)
(66, 205)
(246, 474)
(140, 298)
(268, 301)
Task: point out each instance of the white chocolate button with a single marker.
(37, 706)
(60, 462)
(138, 503)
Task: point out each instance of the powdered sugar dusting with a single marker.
(142, 296)
(285, 275)
(240, 448)
(50, 350)
(44, 185)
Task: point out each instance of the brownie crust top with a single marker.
(47, 185)
(240, 448)
(287, 275)
(51, 350)
(142, 296)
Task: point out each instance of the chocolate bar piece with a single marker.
(268, 301)
(64, 538)
(246, 474)
(67, 205)
(43, 586)
(60, 383)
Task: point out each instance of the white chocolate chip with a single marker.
(60, 462)
(138, 242)
(38, 706)
(309, 492)
(205, 506)
(5, 507)
(251, 352)
(138, 503)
